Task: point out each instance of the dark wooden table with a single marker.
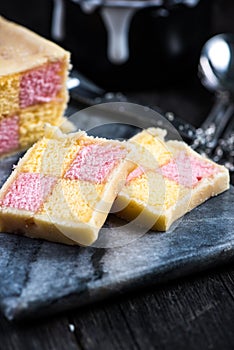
(196, 312)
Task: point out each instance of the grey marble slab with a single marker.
(38, 277)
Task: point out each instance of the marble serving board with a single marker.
(40, 278)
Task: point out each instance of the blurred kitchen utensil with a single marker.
(216, 71)
(217, 64)
(84, 91)
(133, 44)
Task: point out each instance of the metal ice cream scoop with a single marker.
(216, 71)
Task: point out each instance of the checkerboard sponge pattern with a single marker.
(169, 180)
(64, 187)
(32, 86)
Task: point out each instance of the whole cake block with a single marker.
(64, 187)
(33, 74)
(169, 180)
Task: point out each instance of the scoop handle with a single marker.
(216, 121)
(117, 22)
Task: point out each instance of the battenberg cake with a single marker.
(33, 74)
(170, 180)
(64, 187)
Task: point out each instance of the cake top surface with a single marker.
(21, 49)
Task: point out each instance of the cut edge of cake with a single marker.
(40, 224)
(162, 219)
(33, 75)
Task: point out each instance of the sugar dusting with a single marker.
(28, 191)
(95, 162)
(9, 134)
(40, 85)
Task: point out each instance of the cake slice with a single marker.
(169, 180)
(64, 187)
(33, 74)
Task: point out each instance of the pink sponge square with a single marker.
(9, 134)
(28, 191)
(95, 162)
(40, 85)
(188, 170)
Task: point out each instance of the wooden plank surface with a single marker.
(195, 313)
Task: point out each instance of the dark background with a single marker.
(178, 96)
(164, 51)
(192, 313)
